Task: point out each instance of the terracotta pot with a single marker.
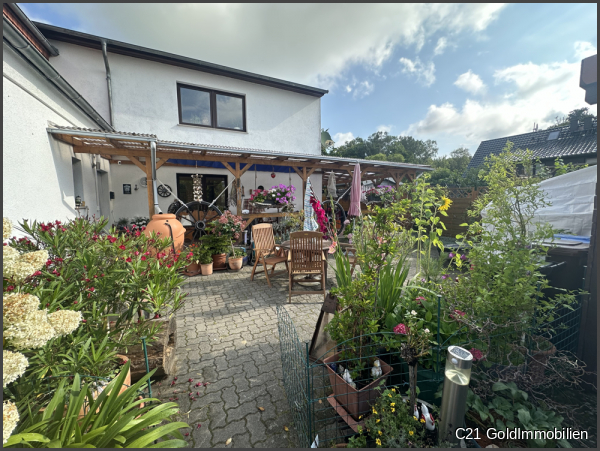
(219, 261)
(207, 270)
(165, 224)
(235, 263)
(356, 402)
(194, 267)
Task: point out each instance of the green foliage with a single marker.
(112, 420)
(216, 244)
(576, 114)
(118, 283)
(391, 283)
(511, 408)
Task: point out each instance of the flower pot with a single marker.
(235, 263)
(356, 402)
(194, 267)
(167, 226)
(219, 261)
(207, 269)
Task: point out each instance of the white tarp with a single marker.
(572, 199)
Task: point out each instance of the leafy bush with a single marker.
(113, 419)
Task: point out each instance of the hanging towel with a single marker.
(310, 223)
(331, 188)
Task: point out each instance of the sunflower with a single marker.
(447, 203)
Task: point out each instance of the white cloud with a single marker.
(384, 128)
(425, 72)
(301, 42)
(342, 138)
(442, 43)
(584, 49)
(470, 82)
(360, 89)
(524, 94)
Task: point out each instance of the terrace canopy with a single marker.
(236, 160)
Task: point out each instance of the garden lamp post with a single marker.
(456, 386)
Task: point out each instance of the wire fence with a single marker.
(330, 398)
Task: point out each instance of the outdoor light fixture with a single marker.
(456, 387)
(78, 201)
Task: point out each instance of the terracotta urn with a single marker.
(167, 225)
(207, 269)
(235, 263)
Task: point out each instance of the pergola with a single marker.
(135, 146)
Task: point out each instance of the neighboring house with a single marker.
(60, 85)
(576, 143)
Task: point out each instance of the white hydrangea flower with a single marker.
(6, 229)
(10, 418)
(19, 271)
(18, 307)
(31, 334)
(64, 321)
(14, 365)
(37, 259)
(9, 257)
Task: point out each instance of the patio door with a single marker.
(212, 186)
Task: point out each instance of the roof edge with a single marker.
(123, 48)
(14, 8)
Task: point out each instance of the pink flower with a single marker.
(419, 299)
(477, 354)
(122, 247)
(400, 329)
(332, 247)
(459, 313)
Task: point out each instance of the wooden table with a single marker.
(325, 247)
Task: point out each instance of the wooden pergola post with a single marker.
(237, 173)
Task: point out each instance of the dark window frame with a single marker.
(213, 107)
(180, 175)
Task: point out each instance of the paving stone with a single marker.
(220, 435)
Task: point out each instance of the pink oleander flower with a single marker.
(400, 329)
(477, 354)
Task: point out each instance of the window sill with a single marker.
(200, 127)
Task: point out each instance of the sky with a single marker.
(454, 73)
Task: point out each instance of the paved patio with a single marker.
(227, 336)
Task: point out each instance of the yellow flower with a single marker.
(378, 420)
(416, 419)
(411, 433)
(422, 420)
(360, 417)
(374, 411)
(393, 404)
(394, 390)
(378, 442)
(390, 395)
(447, 203)
(393, 410)
(379, 432)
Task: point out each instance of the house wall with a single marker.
(145, 101)
(38, 179)
(136, 203)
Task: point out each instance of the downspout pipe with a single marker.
(157, 209)
(95, 169)
(16, 40)
(108, 82)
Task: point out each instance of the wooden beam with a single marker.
(311, 172)
(138, 163)
(149, 187)
(297, 171)
(197, 156)
(160, 162)
(245, 168)
(229, 168)
(239, 189)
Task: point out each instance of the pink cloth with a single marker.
(355, 192)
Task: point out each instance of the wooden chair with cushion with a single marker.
(306, 257)
(267, 252)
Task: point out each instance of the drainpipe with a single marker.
(95, 168)
(108, 83)
(157, 209)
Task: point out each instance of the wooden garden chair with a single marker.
(306, 257)
(267, 252)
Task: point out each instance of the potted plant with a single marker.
(194, 258)
(206, 263)
(236, 257)
(217, 246)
